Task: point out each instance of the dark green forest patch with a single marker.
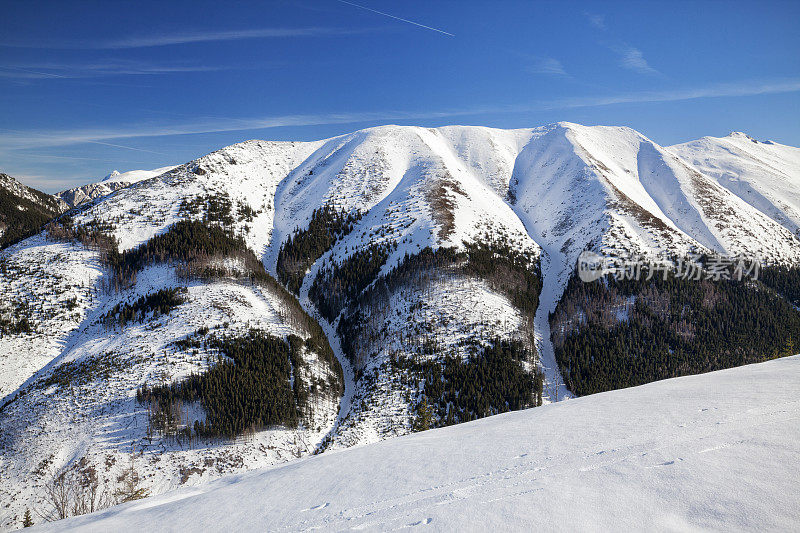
(338, 284)
(490, 382)
(611, 334)
(247, 389)
(304, 247)
(20, 217)
(153, 305)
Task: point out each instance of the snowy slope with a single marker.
(60, 416)
(551, 192)
(672, 455)
(764, 174)
(23, 210)
(114, 181)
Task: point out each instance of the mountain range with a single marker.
(273, 300)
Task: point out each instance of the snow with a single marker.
(551, 191)
(51, 285)
(764, 174)
(679, 454)
(133, 176)
(95, 416)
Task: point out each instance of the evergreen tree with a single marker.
(424, 419)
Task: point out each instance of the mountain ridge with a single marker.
(426, 255)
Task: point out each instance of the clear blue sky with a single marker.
(88, 87)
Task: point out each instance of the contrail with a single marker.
(396, 18)
(126, 147)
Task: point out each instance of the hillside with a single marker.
(23, 210)
(273, 300)
(759, 172)
(672, 455)
(113, 182)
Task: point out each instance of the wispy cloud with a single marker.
(547, 65)
(596, 20)
(397, 18)
(103, 69)
(173, 38)
(746, 88)
(23, 140)
(632, 59)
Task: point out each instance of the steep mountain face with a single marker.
(763, 174)
(113, 182)
(23, 210)
(376, 283)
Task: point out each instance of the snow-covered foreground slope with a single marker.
(710, 452)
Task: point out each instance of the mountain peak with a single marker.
(114, 174)
(740, 135)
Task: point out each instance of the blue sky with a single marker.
(89, 87)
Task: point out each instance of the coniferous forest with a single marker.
(340, 283)
(247, 389)
(303, 248)
(151, 305)
(784, 280)
(20, 217)
(611, 334)
(492, 381)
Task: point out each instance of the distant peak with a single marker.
(741, 135)
(114, 174)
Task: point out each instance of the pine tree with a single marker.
(788, 347)
(424, 418)
(27, 521)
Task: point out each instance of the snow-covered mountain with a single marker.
(762, 173)
(23, 210)
(672, 455)
(422, 268)
(114, 181)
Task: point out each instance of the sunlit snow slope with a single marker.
(680, 454)
(763, 173)
(114, 181)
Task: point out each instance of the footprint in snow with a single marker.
(317, 507)
(667, 463)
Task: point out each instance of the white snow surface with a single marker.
(132, 176)
(709, 452)
(765, 174)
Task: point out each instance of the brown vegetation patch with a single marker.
(442, 203)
